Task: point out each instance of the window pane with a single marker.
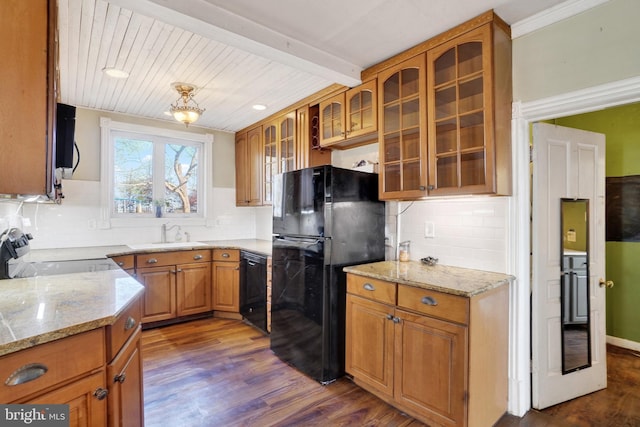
(181, 178)
(132, 176)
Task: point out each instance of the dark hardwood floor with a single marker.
(221, 372)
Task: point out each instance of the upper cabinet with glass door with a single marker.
(402, 133)
(469, 113)
(279, 151)
(349, 118)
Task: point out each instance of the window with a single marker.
(152, 172)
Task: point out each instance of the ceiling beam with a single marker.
(218, 24)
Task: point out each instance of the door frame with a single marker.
(523, 114)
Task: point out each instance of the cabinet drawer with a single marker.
(433, 303)
(124, 326)
(377, 290)
(125, 262)
(159, 259)
(62, 359)
(226, 255)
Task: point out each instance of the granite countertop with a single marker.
(45, 308)
(452, 280)
(97, 252)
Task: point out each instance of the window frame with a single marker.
(110, 219)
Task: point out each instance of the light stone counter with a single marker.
(100, 252)
(45, 308)
(452, 280)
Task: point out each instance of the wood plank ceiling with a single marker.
(271, 66)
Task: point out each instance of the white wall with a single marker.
(594, 47)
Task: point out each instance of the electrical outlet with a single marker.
(429, 230)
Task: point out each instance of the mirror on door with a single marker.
(574, 291)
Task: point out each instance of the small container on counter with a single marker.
(404, 251)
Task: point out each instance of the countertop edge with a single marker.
(67, 331)
(485, 287)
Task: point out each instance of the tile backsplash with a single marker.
(466, 232)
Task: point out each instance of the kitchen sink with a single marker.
(166, 245)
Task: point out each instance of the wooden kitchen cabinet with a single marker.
(279, 151)
(70, 371)
(442, 358)
(126, 262)
(178, 284)
(249, 167)
(27, 101)
(126, 406)
(402, 131)
(469, 113)
(348, 116)
(226, 280)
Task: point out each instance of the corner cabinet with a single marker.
(27, 37)
(403, 133)
(441, 358)
(469, 113)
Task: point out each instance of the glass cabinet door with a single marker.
(270, 159)
(332, 120)
(402, 133)
(287, 154)
(361, 115)
(459, 90)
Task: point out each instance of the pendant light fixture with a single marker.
(185, 109)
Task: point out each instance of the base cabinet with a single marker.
(226, 280)
(439, 357)
(177, 284)
(125, 385)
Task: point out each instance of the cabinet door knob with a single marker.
(152, 261)
(389, 316)
(368, 287)
(120, 378)
(120, 263)
(129, 323)
(197, 257)
(396, 320)
(429, 301)
(101, 393)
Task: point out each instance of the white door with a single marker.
(567, 163)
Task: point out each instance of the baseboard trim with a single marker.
(621, 342)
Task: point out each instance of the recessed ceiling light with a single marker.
(259, 107)
(116, 73)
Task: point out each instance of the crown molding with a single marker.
(552, 15)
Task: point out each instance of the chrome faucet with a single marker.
(164, 229)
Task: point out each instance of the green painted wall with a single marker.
(621, 125)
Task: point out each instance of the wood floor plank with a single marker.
(221, 372)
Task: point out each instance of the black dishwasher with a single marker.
(253, 289)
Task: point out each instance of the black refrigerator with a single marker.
(324, 218)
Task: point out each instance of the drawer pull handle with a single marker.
(225, 255)
(368, 287)
(101, 393)
(152, 261)
(429, 301)
(26, 373)
(129, 323)
(120, 378)
(197, 257)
